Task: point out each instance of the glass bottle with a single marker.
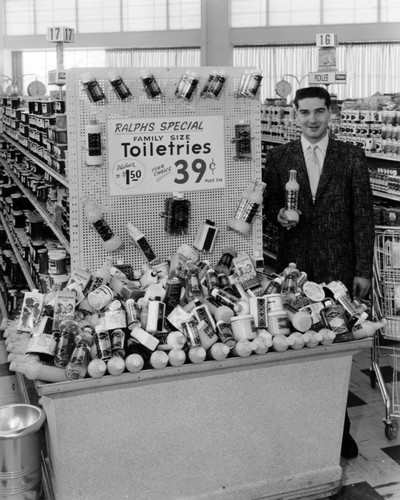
(193, 287)
(292, 197)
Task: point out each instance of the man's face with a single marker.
(313, 117)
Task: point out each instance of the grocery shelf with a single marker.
(387, 196)
(381, 156)
(60, 178)
(3, 308)
(18, 256)
(40, 207)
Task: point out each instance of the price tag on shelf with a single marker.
(60, 34)
(161, 155)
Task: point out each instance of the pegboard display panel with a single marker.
(143, 210)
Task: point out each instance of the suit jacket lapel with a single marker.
(327, 168)
(302, 174)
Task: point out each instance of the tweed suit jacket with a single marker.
(334, 238)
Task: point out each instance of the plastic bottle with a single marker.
(281, 342)
(243, 140)
(219, 312)
(97, 368)
(333, 317)
(171, 340)
(176, 357)
(314, 338)
(141, 242)
(243, 348)
(197, 354)
(94, 156)
(102, 342)
(261, 344)
(155, 315)
(150, 84)
(173, 292)
(37, 371)
(250, 202)
(115, 365)
(300, 320)
(217, 83)
(193, 287)
(225, 334)
(134, 363)
(253, 83)
(158, 360)
(207, 333)
(78, 364)
(176, 214)
(102, 275)
(66, 343)
(291, 197)
(218, 351)
(224, 264)
(328, 336)
(117, 337)
(299, 340)
(120, 87)
(94, 215)
(93, 89)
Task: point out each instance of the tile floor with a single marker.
(375, 473)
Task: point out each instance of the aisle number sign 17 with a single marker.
(60, 34)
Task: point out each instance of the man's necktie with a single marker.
(314, 172)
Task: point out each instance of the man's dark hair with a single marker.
(319, 92)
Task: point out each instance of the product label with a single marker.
(246, 211)
(291, 199)
(94, 144)
(103, 229)
(243, 141)
(103, 345)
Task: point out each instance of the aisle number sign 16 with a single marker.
(60, 34)
(326, 40)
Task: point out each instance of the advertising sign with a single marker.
(160, 155)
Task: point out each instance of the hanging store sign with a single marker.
(327, 77)
(161, 155)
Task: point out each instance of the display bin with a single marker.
(267, 426)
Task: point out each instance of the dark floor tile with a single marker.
(358, 491)
(386, 371)
(353, 400)
(393, 452)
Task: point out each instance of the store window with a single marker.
(390, 11)
(184, 14)
(293, 12)
(148, 15)
(20, 17)
(257, 13)
(248, 13)
(350, 11)
(37, 64)
(99, 16)
(54, 13)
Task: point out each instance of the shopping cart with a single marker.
(386, 303)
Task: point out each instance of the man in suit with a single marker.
(334, 236)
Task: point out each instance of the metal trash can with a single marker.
(20, 452)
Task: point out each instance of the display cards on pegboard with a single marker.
(130, 150)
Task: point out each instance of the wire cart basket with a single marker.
(386, 303)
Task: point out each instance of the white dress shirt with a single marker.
(314, 155)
